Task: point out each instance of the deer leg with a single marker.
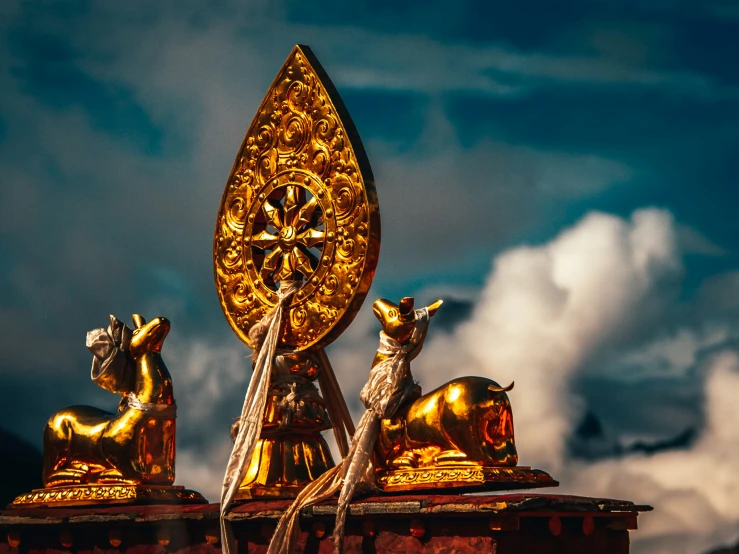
(391, 442)
(452, 457)
(58, 468)
(113, 477)
(406, 460)
(121, 449)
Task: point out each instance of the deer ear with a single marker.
(406, 306)
(138, 321)
(435, 306)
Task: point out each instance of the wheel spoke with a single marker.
(291, 205)
(306, 212)
(302, 262)
(271, 261)
(272, 214)
(288, 266)
(285, 254)
(311, 237)
(263, 240)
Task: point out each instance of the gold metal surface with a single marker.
(80, 495)
(92, 455)
(462, 422)
(475, 477)
(282, 465)
(299, 204)
(459, 435)
(291, 451)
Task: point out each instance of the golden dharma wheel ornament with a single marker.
(299, 205)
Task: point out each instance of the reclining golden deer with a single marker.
(468, 421)
(83, 444)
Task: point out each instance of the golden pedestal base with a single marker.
(281, 466)
(85, 495)
(470, 477)
(253, 492)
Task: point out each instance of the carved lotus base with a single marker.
(85, 495)
(463, 478)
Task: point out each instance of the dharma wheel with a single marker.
(299, 205)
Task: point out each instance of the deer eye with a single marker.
(393, 313)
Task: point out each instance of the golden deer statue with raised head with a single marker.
(467, 421)
(83, 444)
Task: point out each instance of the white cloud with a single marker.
(202, 469)
(670, 356)
(205, 374)
(394, 63)
(246, 48)
(694, 242)
(544, 310)
(693, 491)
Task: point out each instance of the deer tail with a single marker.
(498, 388)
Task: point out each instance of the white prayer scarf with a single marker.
(252, 413)
(387, 388)
(113, 367)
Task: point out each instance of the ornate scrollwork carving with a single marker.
(300, 204)
(475, 476)
(107, 494)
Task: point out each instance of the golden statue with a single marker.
(298, 231)
(296, 245)
(291, 450)
(459, 435)
(91, 455)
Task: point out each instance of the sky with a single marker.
(561, 173)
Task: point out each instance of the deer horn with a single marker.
(435, 306)
(138, 321)
(406, 307)
(498, 388)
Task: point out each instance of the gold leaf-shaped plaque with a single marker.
(300, 205)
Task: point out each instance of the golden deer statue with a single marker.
(136, 446)
(466, 422)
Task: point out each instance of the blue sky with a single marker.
(490, 126)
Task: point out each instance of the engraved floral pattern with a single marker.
(299, 205)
